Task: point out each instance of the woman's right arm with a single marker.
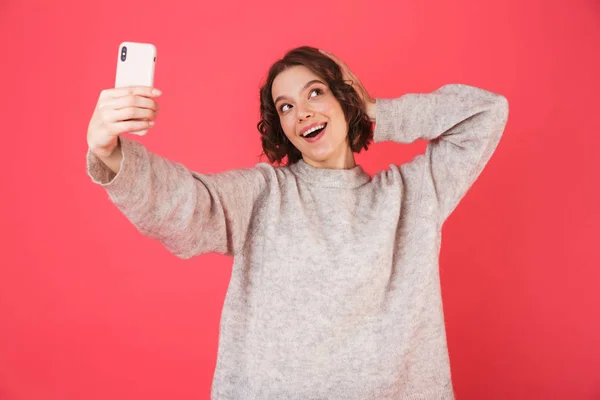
(189, 213)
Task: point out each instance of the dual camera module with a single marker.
(124, 54)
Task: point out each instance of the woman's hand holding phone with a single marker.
(130, 109)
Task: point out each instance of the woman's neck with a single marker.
(344, 160)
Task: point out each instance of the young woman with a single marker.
(335, 290)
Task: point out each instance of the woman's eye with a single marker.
(318, 91)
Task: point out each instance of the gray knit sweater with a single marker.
(335, 291)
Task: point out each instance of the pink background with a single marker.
(90, 309)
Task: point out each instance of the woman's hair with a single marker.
(276, 146)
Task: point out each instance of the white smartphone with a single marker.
(135, 64)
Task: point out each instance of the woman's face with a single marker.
(312, 118)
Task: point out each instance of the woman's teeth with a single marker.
(313, 129)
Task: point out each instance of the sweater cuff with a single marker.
(105, 177)
(386, 114)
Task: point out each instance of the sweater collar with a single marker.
(334, 178)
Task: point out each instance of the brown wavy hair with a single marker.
(276, 146)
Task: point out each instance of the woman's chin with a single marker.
(316, 157)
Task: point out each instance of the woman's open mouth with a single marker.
(315, 133)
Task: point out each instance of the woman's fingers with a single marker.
(349, 76)
(128, 101)
(144, 91)
(346, 73)
(129, 113)
(343, 66)
(134, 127)
(121, 110)
(127, 107)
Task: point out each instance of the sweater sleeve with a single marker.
(188, 212)
(463, 124)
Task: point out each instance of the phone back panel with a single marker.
(136, 66)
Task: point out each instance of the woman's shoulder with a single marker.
(407, 172)
(262, 173)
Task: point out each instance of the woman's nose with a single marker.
(304, 112)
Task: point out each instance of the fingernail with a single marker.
(156, 92)
(151, 123)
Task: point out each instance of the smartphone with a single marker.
(136, 64)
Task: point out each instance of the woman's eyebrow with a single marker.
(303, 88)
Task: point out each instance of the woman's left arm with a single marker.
(464, 125)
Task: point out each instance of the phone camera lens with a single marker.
(123, 53)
